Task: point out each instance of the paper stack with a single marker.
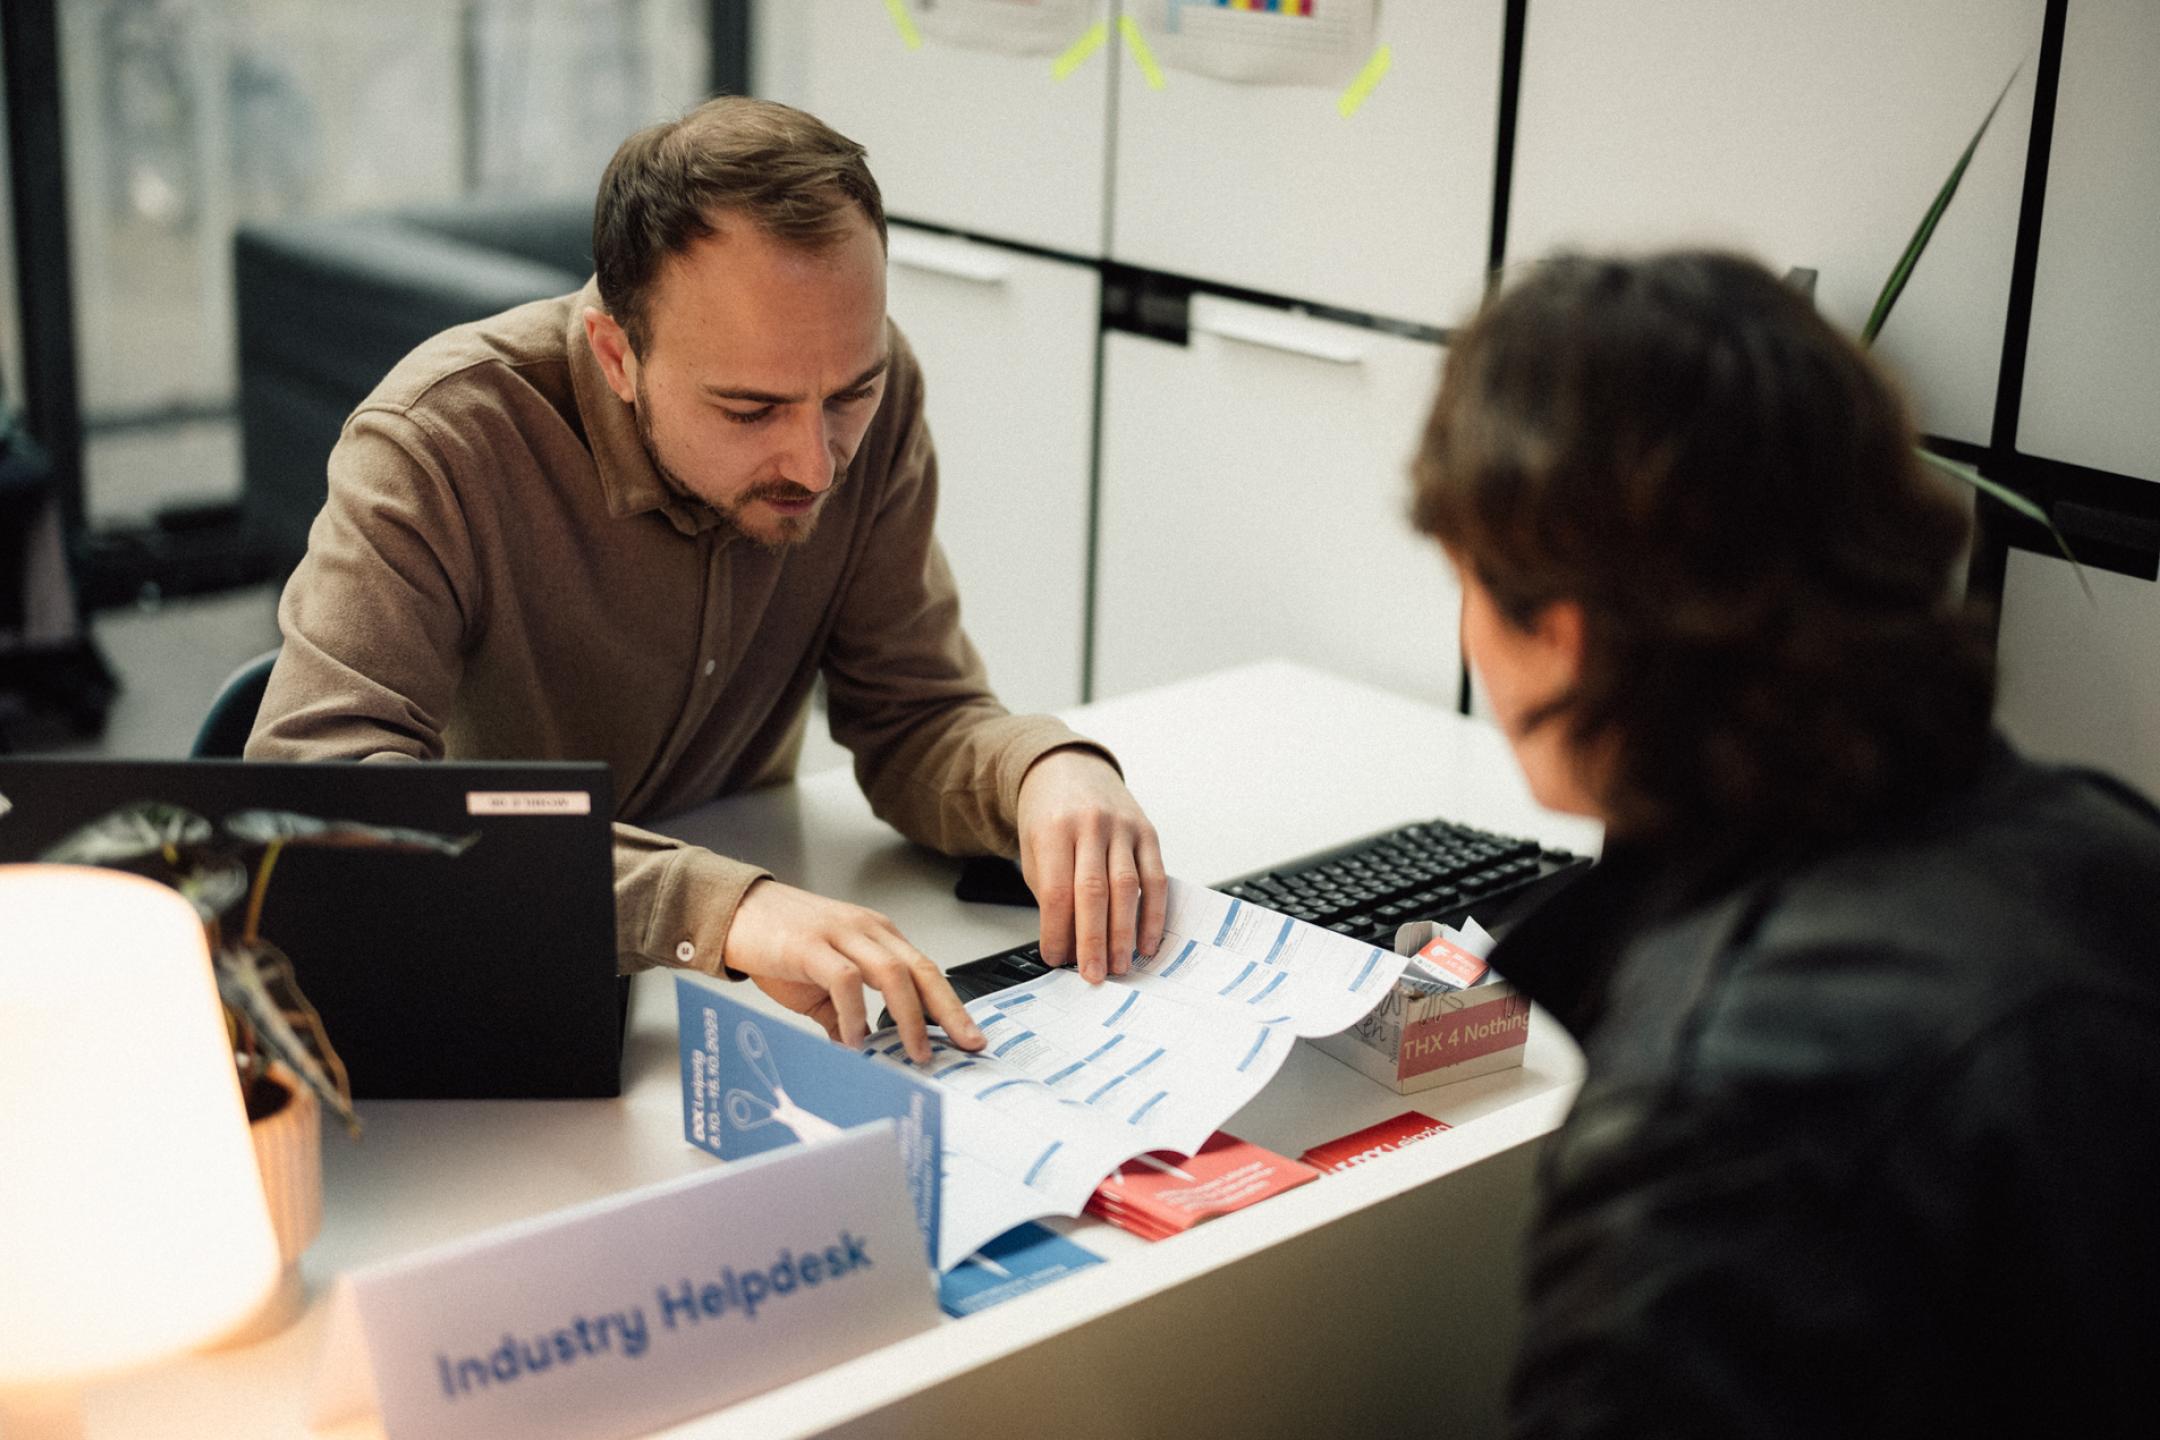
(1157, 1196)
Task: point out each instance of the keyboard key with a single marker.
(1428, 870)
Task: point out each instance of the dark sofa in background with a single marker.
(327, 306)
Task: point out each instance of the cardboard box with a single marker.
(1424, 1035)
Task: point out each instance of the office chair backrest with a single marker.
(225, 729)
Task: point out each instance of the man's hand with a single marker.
(815, 955)
(1093, 862)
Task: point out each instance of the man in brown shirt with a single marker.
(634, 524)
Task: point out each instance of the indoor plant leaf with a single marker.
(251, 978)
(263, 827)
(2012, 499)
(1895, 286)
(134, 834)
(1902, 271)
(211, 883)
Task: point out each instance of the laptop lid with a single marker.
(489, 975)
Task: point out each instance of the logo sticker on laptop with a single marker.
(6, 805)
(528, 802)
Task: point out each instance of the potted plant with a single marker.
(1887, 298)
(286, 1067)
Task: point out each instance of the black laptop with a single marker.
(487, 975)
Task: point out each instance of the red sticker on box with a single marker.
(1454, 962)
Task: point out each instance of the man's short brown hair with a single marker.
(790, 174)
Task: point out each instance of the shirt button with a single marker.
(686, 952)
(709, 666)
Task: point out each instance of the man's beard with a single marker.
(794, 529)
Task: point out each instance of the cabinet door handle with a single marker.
(938, 255)
(1289, 333)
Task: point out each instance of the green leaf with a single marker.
(262, 827)
(212, 883)
(1902, 272)
(257, 980)
(133, 834)
(2003, 494)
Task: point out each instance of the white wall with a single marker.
(2081, 676)
(2092, 367)
(1812, 134)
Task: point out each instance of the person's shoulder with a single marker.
(905, 364)
(904, 382)
(2036, 886)
(2034, 870)
(515, 359)
(894, 453)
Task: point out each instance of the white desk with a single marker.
(1379, 1300)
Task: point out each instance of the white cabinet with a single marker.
(967, 138)
(2081, 678)
(1808, 134)
(1269, 187)
(1007, 344)
(2092, 366)
(1254, 493)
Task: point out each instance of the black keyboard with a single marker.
(1436, 870)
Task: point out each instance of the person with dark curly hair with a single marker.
(1866, 1140)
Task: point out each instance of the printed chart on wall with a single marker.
(1262, 42)
(1011, 27)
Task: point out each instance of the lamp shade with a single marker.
(132, 1219)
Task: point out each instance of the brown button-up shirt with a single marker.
(500, 573)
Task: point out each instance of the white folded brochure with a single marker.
(1076, 1079)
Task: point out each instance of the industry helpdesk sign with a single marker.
(620, 1316)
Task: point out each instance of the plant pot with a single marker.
(288, 1150)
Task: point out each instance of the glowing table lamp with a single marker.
(132, 1219)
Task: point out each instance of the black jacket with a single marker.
(1869, 1139)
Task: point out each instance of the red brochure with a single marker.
(1374, 1140)
(1164, 1194)
(1452, 963)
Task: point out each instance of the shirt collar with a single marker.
(1566, 954)
(1562, 953)
(627, 477)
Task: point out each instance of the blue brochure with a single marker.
(1026, 1257)
(751, 1083)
